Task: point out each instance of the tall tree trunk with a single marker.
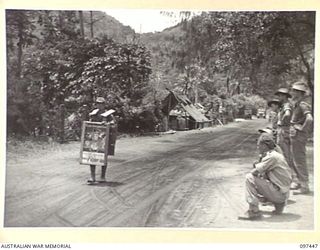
(20, 49)
(196, 94)
(228, 86)
(304, 61)
(91, 24)
(253, 79)
(306, 64)
(81, 23)
(61, 20)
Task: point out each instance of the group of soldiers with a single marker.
(282, 153)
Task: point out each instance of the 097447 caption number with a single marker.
(308, 245)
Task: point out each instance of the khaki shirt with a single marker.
(278, 149)
(301, 109)
(274, 166)
(274, 119)
(281, 121)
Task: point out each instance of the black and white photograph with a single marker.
(207, 119)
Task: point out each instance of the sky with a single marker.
(143, 21)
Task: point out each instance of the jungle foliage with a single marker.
(51, 63)
(232, 53)
(67, 58)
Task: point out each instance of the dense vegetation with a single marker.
(237, 52)
(51, 62)
(66, 58)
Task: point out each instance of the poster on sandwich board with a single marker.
(94, 143)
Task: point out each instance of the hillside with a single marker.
(166, 48)
(107, 25)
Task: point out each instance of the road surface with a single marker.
(191, 179)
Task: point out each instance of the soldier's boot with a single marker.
(251, 215)
(278, 208)
(304, 189)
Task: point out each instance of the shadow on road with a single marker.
(289, 202)
(311, 193)
(284, 217)
(109, 184)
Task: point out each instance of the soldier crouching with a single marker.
(269, 180)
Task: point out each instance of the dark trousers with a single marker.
(93, 172)
(298, 151)
(284, 142)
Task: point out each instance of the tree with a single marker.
(49, 65)
(293, 33)
(20, 28)
(92, 21)
(85, 69)
(254, 45)
(81, 23)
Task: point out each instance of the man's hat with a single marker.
(267, 139)
(275, 101)
(300, 86)
(100, 100)
(284, 91)
(267, 130)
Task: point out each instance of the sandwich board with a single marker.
(94, 143)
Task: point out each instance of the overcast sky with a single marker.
(143, 21)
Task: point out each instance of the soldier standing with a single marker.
(301, 123)
(100, 115)
(283, 135)
(274, 105)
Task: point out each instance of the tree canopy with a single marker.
(69, 58)
(255, 51)
(59, 64)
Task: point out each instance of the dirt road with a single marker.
(189, 179)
